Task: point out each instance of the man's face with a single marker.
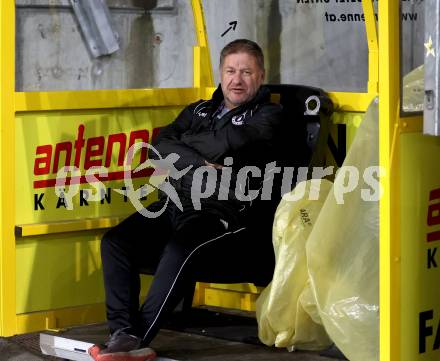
(241, 77)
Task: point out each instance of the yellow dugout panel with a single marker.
(7, 168)
(57, 254)
(48, 141)
(51, 268)
(420, 230)
(55, 267)
(409, 214)
(389, 147)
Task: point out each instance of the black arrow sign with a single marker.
(233, 26)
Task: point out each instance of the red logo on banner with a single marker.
(94, 151)
(434, 215)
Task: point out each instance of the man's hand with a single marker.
(214, 165)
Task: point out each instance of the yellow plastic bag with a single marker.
(343, 255)
(326, 279)
(285, 308)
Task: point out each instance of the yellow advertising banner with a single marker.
(94, 145)
(59, 270)
(420, 240)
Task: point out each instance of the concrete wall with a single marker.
(321, 44)
(316, 42)
(156, 40)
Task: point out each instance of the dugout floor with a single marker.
(201, 335)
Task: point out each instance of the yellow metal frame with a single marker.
(103, 99)
(84, 224)
(203, 76)
(7, 168)
(389, 80)
(57, 320)
(351, 102)
(373, 46)
(392, 125)
(359, 102)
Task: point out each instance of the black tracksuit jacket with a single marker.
(245, 133)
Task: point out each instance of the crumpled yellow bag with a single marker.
(343, 255)
(326, 279)
(286, 309)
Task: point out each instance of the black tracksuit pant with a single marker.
(180, 250)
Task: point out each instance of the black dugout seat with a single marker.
(302, 138)
(301, 142)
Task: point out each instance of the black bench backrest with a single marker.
(302, 137)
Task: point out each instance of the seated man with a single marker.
(234, 129)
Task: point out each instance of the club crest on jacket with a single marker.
(238, 119)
